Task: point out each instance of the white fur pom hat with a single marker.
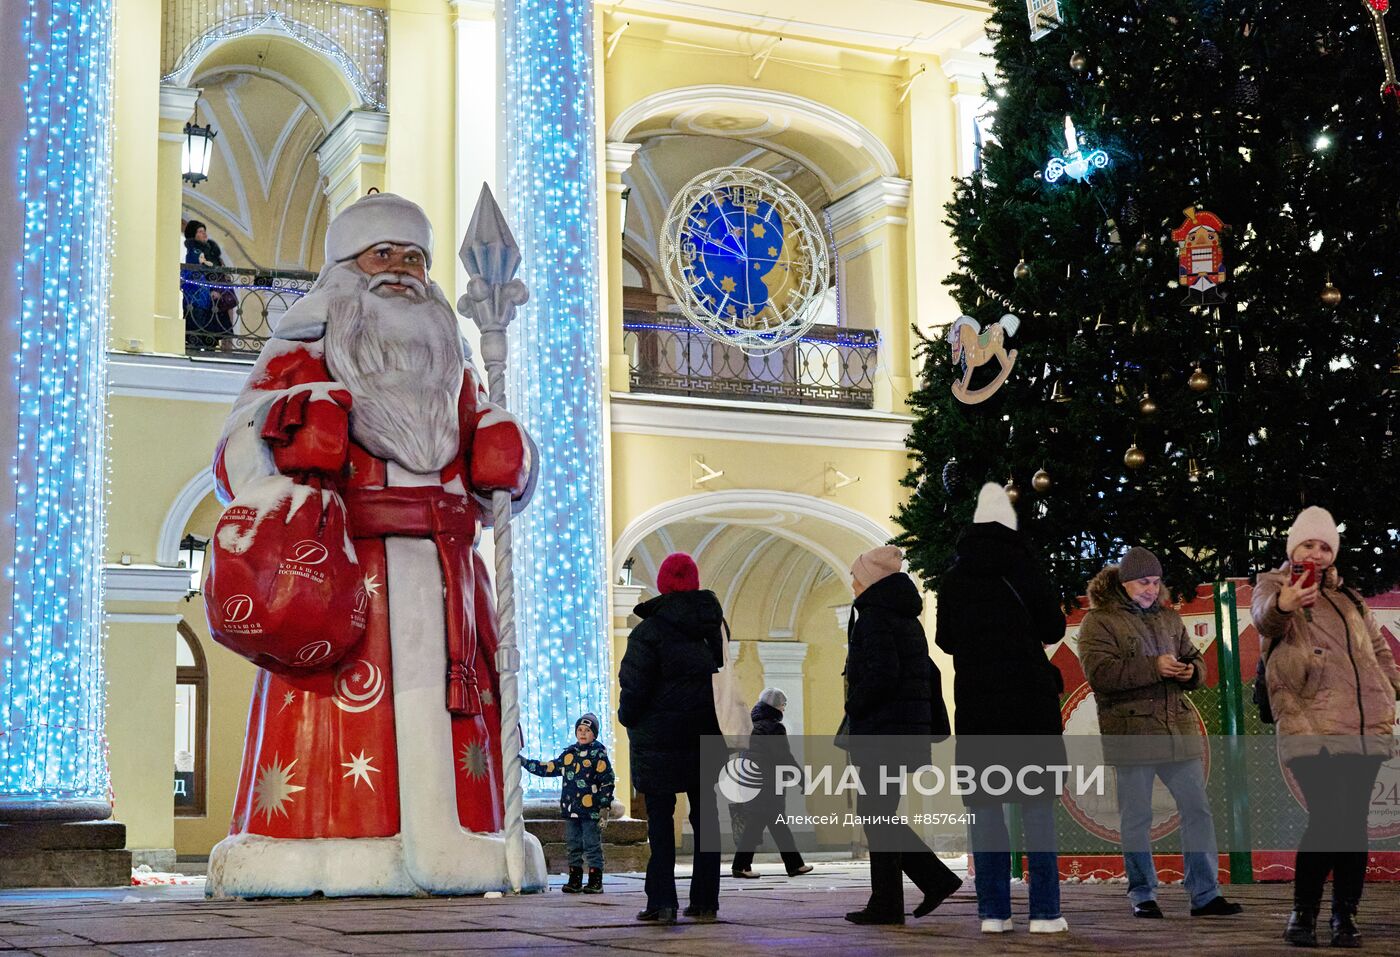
(994, 505)
(773, 697)
(1314, 523)
(378, 218)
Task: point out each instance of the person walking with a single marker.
(768, 748)
(1140, 664)
(585, 797)
(666, 703)
(996, 613)
(1332, 683)
(888, 692)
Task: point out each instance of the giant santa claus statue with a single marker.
(355, 467)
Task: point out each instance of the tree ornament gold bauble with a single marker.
(1041, 481)
(1135, 457)
(1193, 470)
(1143, 246)
(1147, 405)
(1199, 381)
(1330, 295)
(1013, 492)
(1077, 62)
(1022, 271)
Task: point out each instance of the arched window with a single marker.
(191, 724)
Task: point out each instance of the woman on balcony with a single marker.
(208, 307)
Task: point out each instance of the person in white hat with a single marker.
(381, 775)
(1332, 684)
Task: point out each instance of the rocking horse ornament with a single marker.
(974, 348)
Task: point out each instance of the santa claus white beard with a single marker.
(401, 359)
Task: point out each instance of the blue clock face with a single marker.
(737, 263)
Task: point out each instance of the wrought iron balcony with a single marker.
(830, 366)
(231, 311)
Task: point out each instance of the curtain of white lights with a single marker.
(555, 367)
(52, 744)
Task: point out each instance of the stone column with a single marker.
(782, 668)
(176, 107)
(624, 599)
(54, 313)
(619, 160)
(478, 119)
(352, 159)
(868, 230)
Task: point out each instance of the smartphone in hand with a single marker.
(1304, 575)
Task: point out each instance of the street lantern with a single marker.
(626, 198)
(197, 153)
(192, 551)
(626, 577)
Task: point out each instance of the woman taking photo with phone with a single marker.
(1332, 685)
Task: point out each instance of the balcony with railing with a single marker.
(231, 312)
(831, 366)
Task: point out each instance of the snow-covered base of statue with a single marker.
(251, 865)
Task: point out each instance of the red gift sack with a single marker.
(285, 589)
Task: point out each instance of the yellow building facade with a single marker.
(773, 475)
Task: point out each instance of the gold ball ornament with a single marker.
(1143, 247)
(1041, 481)
(1022, 271)
(1330, 295)
(1199, 381)
(1013, 491)
(1147, 405)
(1134, 458)
(1077, 62)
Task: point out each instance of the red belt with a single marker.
(450, 520)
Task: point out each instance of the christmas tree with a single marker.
(1205, 285)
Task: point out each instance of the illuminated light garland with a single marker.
(52, 695)
(555, 382)
(354, 37)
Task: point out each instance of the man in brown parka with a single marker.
(1332, 684)
(1140, 663)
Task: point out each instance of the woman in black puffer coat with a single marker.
(996, 613)
(768, 749)
(888, 692)
(666, 703)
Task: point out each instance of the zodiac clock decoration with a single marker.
(745, 258)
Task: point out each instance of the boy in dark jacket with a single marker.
(587, 792)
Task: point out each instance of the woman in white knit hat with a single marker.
(1332, 683)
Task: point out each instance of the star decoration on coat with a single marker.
(758, 231)
(487, 697)
(360, 769)
(287, 699)
(372, 585)
(472, 761)
(274, 789)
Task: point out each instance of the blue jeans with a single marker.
(991, 856)
(1186, 780)
(584, 840)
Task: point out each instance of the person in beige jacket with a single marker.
(1332, 684)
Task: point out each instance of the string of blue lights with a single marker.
(52, 696)
(555, 367)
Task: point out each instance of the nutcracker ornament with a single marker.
(1200, 254)
(358, 467)
(1390, 86)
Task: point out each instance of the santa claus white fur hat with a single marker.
(378, 218)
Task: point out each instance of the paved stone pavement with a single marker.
(773, 915)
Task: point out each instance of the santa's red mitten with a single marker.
(308, 430)
(500, 455)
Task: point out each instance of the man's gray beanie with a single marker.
(1139, 563)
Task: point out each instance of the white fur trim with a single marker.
(251, 865)
(440, 855)
(993, 505)
(378, 218)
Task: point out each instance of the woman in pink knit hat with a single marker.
(889, 692)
